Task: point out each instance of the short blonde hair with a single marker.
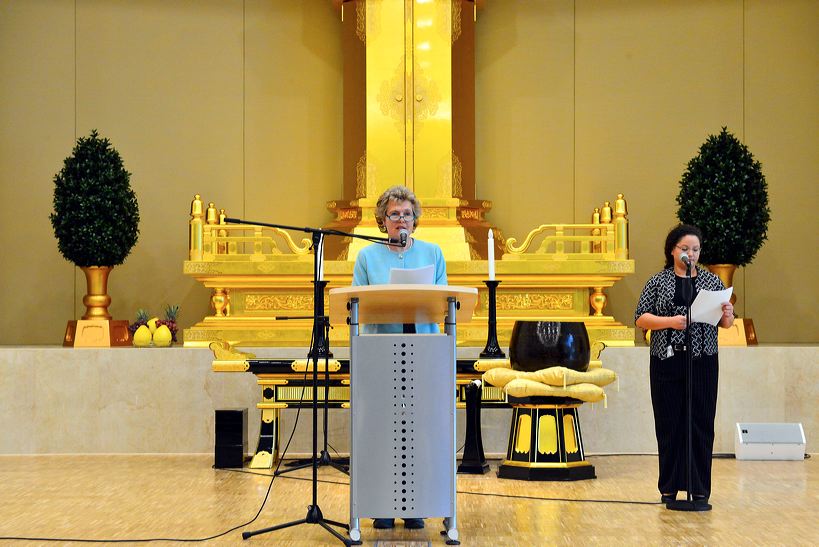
(395, 193)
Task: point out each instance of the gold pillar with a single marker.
(409, 118)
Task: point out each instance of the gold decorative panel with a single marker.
(265, 302)
(523, 434)
(535, 301)
(569, 434)
(547, 435)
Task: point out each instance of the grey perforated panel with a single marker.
(403, 425)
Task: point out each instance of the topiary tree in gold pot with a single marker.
(724, 193)
(96, 216)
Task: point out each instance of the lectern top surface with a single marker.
(402, 303)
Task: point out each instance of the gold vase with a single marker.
(725, 272)
(96, 328)
(96, 299)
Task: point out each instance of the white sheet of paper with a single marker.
(413, 276)
(707, 306)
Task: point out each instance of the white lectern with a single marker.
(402, 397)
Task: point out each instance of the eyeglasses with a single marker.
(395, 217)
(695, 250)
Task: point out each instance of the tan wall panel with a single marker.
(782, 130)
(293, 118)
(524, 113)
(36, 133)
(164, 82)
(653, 80)
(241, 102)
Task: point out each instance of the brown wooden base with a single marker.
(97, 333)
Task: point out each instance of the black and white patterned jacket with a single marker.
(657, 298)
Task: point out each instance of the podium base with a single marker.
(97, 333)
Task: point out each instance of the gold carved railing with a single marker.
(557, 272)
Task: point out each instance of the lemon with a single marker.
(142, 337)
(163, 336)
(152, 324)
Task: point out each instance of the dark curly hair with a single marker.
(674, 236)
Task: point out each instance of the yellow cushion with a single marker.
(522, 387)
(502, 376)
(554, 376)
(562, 376)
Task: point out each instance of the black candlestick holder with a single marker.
(492, 349)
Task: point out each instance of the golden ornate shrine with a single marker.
(409, 104)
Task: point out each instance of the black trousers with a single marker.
(669, 400)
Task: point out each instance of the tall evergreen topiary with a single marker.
(96, 214)
(723, 192)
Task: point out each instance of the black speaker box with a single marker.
(229, 456)
(230, 437)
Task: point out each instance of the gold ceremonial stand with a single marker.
(545, 443)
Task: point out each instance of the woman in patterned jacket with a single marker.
(661, 309)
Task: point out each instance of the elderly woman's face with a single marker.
(402, 218)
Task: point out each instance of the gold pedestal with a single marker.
(545, 444)
(97, 333)
(741, 333)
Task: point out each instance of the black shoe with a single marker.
(700, 497)
(383, 524)
(413, 524)
(666, 498)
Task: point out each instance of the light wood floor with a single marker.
(159, 496)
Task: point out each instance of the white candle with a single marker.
(491, 256)
(320, 252)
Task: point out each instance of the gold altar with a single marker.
(257, 274)
(409, 118)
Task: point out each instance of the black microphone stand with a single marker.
(689, 503)
(320, 336)
(321, 349)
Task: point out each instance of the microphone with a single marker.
(685, 260)
(402, 236)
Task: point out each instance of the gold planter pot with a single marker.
(725, 272)
(96, 328)
(742, 333)
(96, 297)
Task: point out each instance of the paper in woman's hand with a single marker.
(707, 307)
(413, 276)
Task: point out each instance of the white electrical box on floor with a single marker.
(770, 441)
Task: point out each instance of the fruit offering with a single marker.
(154, 331)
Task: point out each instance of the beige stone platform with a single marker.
(134, 401)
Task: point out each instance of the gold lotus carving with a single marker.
(436, 212)
(456, 20)
(427, 89)
(361, 176)
(457, 176)
(529, 301)
(389, 93)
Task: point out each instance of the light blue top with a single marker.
(373, 264)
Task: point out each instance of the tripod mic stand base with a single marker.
(688, 505)
(314, 516)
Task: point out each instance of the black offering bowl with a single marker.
(537, 345)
